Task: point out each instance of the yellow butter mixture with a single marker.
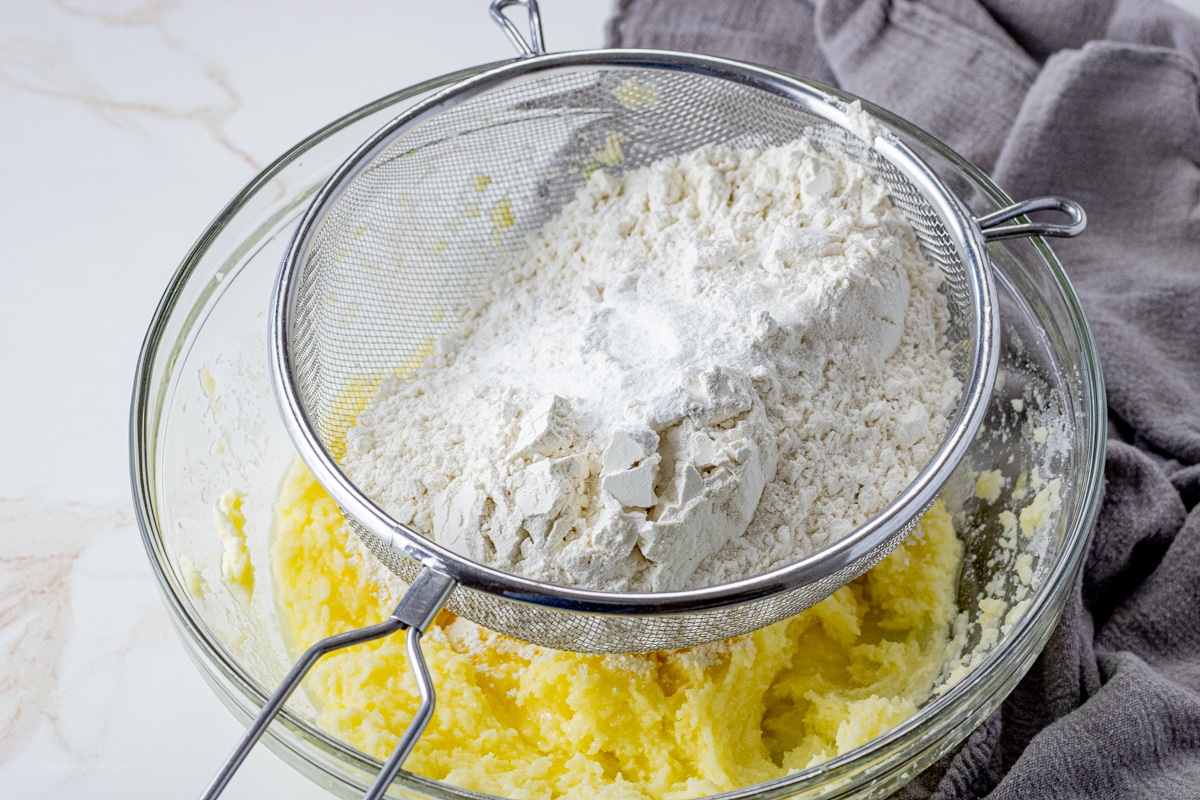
(522, 721)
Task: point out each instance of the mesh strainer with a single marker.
(385, 242)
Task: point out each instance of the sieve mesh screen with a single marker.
(423, 228)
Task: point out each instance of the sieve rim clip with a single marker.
(992, 229)
(536, 44)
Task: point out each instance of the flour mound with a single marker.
(696, 372)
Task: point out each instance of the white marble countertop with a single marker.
(127, 125)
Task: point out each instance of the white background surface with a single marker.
(126, 126)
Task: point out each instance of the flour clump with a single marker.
(697, 371)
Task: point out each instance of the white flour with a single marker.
(696, 372)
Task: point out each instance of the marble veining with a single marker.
(50, 67)
(35, 619)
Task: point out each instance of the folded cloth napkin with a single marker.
(1096, 100)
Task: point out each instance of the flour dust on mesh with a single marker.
(696, 372)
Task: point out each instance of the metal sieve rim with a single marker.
(968, 239)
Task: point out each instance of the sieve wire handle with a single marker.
(415, 612)
(993, 231)
(537, 45)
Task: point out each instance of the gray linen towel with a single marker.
(1098, 100)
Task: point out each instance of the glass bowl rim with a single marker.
(931, 723)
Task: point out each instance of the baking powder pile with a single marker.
(698, 371)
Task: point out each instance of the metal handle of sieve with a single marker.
(415, 612)
(526, 49)
(990, 225)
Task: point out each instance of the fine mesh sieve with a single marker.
(396, 245)
(390, 240)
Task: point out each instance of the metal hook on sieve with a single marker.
(414, 613)
(526, 49)
(991, 233)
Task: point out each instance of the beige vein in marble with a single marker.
(39, 545)
(50, 68)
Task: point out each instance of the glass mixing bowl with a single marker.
(204, 420)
